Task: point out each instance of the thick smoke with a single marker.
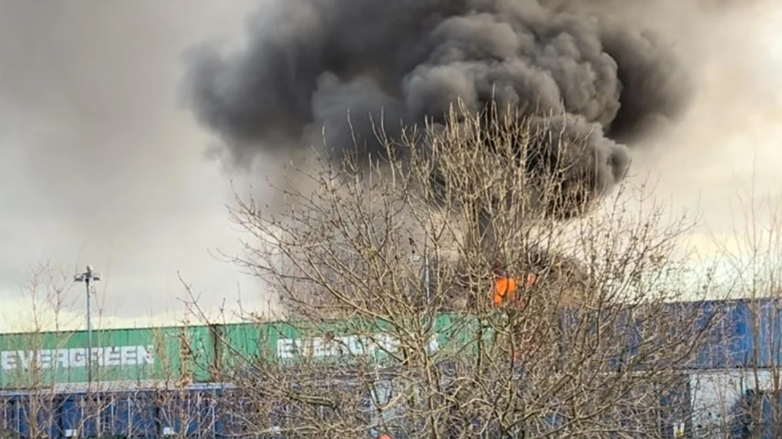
(310, 62)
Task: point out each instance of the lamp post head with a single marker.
(87, 276)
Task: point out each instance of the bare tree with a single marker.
(45, 392)
(36, 365)
(745, 399)
(376, 344)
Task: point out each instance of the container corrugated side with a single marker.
(29, 360)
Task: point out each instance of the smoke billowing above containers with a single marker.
(309, 62)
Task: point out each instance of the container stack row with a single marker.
(159, 382)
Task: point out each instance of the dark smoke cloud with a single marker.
(310, 62)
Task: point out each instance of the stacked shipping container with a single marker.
(132, 368)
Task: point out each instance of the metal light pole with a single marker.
(87, 277)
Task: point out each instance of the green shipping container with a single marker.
(131, 356)
(192, 354)
(336, 340)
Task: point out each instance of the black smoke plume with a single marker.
(310, 62)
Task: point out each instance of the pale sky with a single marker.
(101, 166)
(729, 146)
